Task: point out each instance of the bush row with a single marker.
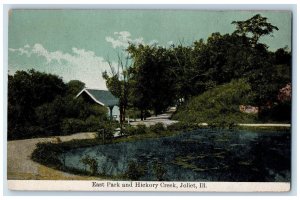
(159, 128)
(73, 125)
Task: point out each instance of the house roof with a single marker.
(102, 97)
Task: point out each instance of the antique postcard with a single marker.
(149, 100)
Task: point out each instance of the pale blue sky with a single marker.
(75, 44)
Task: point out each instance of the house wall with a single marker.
(116, 111)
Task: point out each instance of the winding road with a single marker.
(21, 167)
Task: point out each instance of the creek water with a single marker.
(200, 155)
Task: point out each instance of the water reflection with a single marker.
(201, 155)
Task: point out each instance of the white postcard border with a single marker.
(147, 186)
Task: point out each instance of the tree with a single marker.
(152, 83)
(117, 84)
(256, 26)
(283, 56)
(74, 87)
(42, 104)
(182, 69)
(49, 116)
(26, 92)
(159, 76)
(139, 86)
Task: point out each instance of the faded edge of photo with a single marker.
(145, 186)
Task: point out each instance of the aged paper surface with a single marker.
(149, 100)
(150, 186)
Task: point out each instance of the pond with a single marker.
(200, 155)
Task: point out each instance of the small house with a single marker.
(102, 98)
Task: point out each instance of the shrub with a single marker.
(135, 130)
(35, 130)
(98, 111)
(182, 126)
(106, 131)
(133, 113)
(159, 171)
(135, 171)
(130, 130)
(179, 126)
(280, 112)
(91, 163)
(222, 124)
(157, 128)
(71, 125)
(47, 154)
(92, 123)
(141, 129)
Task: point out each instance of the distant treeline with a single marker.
(41, 104)
(159, 76)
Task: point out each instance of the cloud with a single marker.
(80, 64)
(78, 56)
(153, 42)
(122, 39)
(22, 50)
(170, 43)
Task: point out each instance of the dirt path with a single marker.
(162, 118)
(165, 119)
(257, 125)
(20, 166)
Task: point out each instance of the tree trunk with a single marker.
(121, 119)
(121, 113)
(142, 116)
(124, 113)
(110, 113)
